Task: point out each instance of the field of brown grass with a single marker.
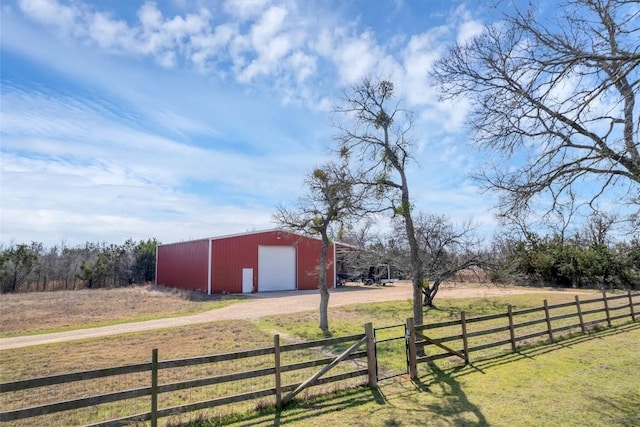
(25, 313)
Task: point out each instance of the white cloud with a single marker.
(449, 115)
(275, 43)
(418, 58)
(356, 57)
(142, 151)
(282, 41)
(269, 42)
(245, 9)
(468, 30)
(150, 17)
(163, 39)
(110, 34)
(303, 64)
(211, 46)
(269, 25)
(50, 12)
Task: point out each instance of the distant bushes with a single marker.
(92, 265)
(576, 262)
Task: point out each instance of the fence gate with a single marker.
(392, 357)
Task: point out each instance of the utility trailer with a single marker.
(379, 274)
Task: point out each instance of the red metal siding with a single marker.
(230, 255)
(183, 265)
(309, 263)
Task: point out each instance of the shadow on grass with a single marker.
(538, 349)
(454, 404)
(298, 411)
(621, 410)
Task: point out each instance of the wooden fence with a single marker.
(282, 392)
(496, 333)
(424, 343)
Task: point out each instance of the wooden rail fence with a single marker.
(155, 389)
(503, 332)
(507, 330)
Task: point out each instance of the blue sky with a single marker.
(183, 119)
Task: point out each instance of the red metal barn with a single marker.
(272, 260)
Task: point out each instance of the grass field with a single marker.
(590, 380)
(46, 312)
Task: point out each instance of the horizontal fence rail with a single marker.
(280, 372)
(508, 331)
(278, 368)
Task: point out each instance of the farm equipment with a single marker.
(374, 275)
(379, 274)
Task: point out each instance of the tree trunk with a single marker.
(14, 283)
(324, 291)
(416, 261)
(430, 293)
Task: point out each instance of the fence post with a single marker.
(548, 319)
(465, 343)
(372, 364)
(633, 315)
(580, 314)
(512, 331)
(154, 387)
(606, 307)
(411, 346)
(276, 355)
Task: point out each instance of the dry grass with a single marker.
(118, 350)
(173, 343)
(26, 313)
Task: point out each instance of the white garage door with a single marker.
(276, 268)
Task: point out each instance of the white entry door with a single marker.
(276, 268)
(247, 280)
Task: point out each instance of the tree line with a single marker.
(576, 262)
(588, 257)
(34, 267)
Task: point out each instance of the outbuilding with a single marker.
(271, 260)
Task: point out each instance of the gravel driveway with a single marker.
(266, 304)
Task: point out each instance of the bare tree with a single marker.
(330, 199)
(599, 228)
(446, 250)
(561, 92)
(380, 257)
(377, 140)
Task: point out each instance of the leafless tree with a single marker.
(599, 228)
(331, 198)
(446, 250)
(375, 137)
(376, 253)
(558, 97)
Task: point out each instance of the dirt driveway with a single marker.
(266, 304)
